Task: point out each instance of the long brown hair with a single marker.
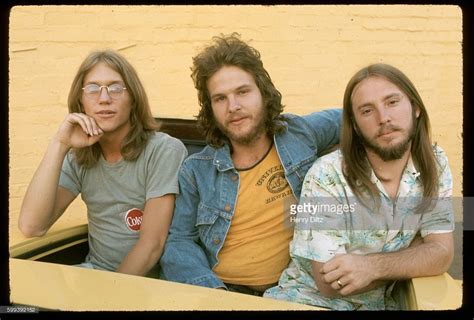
(231, 51)
(356, 165)
(142, 122)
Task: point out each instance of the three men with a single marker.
(390, 183)
(107, 149)
(230, 228)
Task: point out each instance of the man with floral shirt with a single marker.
(362, 206)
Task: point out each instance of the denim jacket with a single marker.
(209, 184)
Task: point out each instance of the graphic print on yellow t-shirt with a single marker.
(255, 251)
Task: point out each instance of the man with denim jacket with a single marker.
(231, 227)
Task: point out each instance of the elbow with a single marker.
(448, 260)
(444, 261)
(30, 231)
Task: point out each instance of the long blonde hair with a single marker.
(142, 122)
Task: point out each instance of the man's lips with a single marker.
(236, 120)
(385, 133)
(105, 113)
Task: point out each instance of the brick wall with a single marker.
(310, 52)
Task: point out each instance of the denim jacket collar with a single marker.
(222, 159)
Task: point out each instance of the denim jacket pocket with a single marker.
(210, 222)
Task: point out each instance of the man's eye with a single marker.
(93, 88)
(115, 89)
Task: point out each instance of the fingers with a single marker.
(332, 270)
(87, 123)
(339, 284)
(333, 275)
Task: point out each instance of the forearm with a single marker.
(348, 274)
(426, 259)
(37, 211)
(141, 258)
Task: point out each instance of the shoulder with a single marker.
(440, 156)
(162, 141)
(326, 174)
(314, 124)
(438, 151)
(292, 119)
(207, 153)
(327, 165)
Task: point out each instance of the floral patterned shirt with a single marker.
(330, 220)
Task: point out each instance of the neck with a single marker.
(388, 172)
(246, 155)
(111, 144)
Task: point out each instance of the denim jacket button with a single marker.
(227, 207)
(234, 178)
(217, 241)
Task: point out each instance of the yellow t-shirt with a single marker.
(255, 251)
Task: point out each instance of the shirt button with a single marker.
(227, 207)
(217, 241)
(234, 178)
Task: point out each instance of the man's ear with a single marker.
(417, 112)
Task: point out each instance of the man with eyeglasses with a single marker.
(107, 149)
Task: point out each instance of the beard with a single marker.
(255, 131)
(393, 152)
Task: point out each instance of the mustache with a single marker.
(236, 116)
(387, 128)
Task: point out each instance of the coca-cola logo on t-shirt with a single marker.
(133, 219)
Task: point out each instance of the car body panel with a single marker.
(72, 288)
(95, 290)
(437, 292)
(47, 262)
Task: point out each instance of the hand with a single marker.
(79, 130)
(348, 273)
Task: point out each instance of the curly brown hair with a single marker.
(229, 50)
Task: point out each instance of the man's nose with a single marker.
(104, 94)
(384, 114)
(233, 104)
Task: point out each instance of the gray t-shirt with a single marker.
(112, 190)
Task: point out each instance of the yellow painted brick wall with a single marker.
(310, 51)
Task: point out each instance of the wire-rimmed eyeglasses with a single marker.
(114, 90)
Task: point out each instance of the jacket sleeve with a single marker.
(325, 126)
(184, 260)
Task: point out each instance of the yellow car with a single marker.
(42, 275)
